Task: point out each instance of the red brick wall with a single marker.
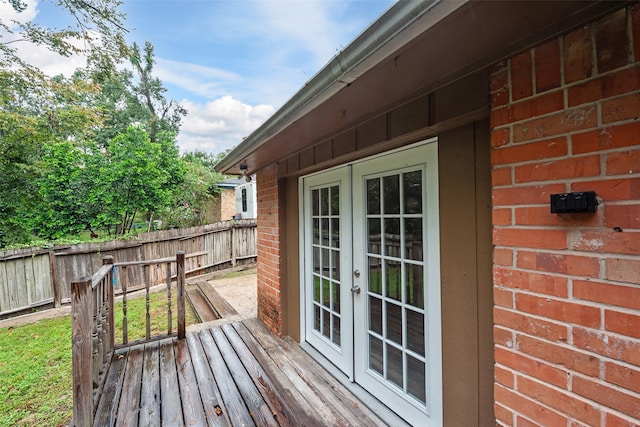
(268, 269)
(566, 117)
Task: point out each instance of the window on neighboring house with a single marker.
(244, 200)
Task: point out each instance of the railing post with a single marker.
(125, 321)
(109, 326)
(180, 275)
(81, 351)
(169, 312)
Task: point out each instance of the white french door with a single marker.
(328, 315)
(383, 272)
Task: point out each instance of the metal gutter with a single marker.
(379, 40)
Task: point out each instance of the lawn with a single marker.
(35, 362)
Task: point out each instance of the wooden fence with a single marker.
(36, 277)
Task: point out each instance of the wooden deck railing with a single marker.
(93, 326)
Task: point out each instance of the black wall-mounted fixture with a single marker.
(581, 202)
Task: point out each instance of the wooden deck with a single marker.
(237, 374)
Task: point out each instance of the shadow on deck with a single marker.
(236, 374)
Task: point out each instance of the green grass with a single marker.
(35, 362)
(136, 315)
(35, 372)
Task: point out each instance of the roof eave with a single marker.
(379, 40)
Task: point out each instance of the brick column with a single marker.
(269, 268)
(566, 117)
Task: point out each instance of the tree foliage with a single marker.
(96, 150)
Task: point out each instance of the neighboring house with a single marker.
(246, 206)
(223, 208)
(404, 220)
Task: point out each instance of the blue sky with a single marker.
(231, 63)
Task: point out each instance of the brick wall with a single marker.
(223, 208)
(268, 239)
(566, 117)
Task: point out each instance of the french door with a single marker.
(383, 272)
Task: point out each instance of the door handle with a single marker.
(355, 289)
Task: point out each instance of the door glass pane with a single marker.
(375, 315)
(393, 279)
(392, 237)
(335, 200)
(316, 231)
(316, 259)
(394, 365)
(414, 285)
(315, 202)
(324, 201)
(335, 260)
(413, 238)
(335, 232)
(324, 232)
(375, 275)
(316, 289)
(336, 330)
(325, 262)
(373, 196)
(416, 379)
(415, 332)
(394, 322)
(375, 354)
(326, 323)
(412, 183)
(316, 317)
(336, 297)
(374, 236)
(326, 296)
(391, 194)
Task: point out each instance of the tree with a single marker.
(131, 180)
(96, 30)
(196, 191)
(28, 120)
(164, 115)
(36, 109)
(65, 189)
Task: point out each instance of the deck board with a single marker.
(236, 374)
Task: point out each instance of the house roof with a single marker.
(230, 183)
(414, 47)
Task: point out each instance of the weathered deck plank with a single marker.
(129, 406)
(285, 415)
(231, 375)
(235, 406)
(171, 407)
(189, 393)
(150, 388)
(106, 411)
(209, 392)
(249, 392)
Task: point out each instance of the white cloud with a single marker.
(206, 82)
(219, 124)
(9, 14)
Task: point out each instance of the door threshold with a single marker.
(375, 405)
